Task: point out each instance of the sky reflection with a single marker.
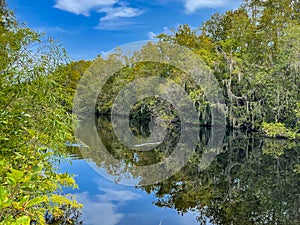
(108, 203)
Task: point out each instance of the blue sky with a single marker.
(86, 28)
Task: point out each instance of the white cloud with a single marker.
(115, 17)
(151, 35)
(193, 5)
(115, 24)
(83, 6)
(120, 12)
(116, 12)
(49, 29)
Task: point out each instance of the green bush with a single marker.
(34, 125)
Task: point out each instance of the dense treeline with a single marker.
(34, 126)
(253, 52)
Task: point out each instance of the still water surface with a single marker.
(253, 180)
(107, 203)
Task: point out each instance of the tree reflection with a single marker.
(253, 181)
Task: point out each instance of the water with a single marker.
(252, 180)
(107, 203)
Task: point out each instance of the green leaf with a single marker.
(37, 200)
(16, 174)
(11, 181)
(24, 199)
(24, 220)
(4, 198)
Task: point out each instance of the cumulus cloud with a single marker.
(83, 6)
(120, 12)
(116, 12)
(115, 17)
(194, 5)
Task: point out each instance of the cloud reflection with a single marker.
(102, 208)
(120, 196)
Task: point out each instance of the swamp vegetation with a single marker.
(254, 53)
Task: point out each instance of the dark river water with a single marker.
(248, 179)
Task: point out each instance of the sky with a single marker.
(87, 28)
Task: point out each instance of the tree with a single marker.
(34, 125)
(245, 49)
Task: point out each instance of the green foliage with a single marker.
(254, 53)
(34, 125)
(146, 69)
(72, 73)
(277, 130)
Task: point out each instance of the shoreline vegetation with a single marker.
(253, 51)
(33, 120)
